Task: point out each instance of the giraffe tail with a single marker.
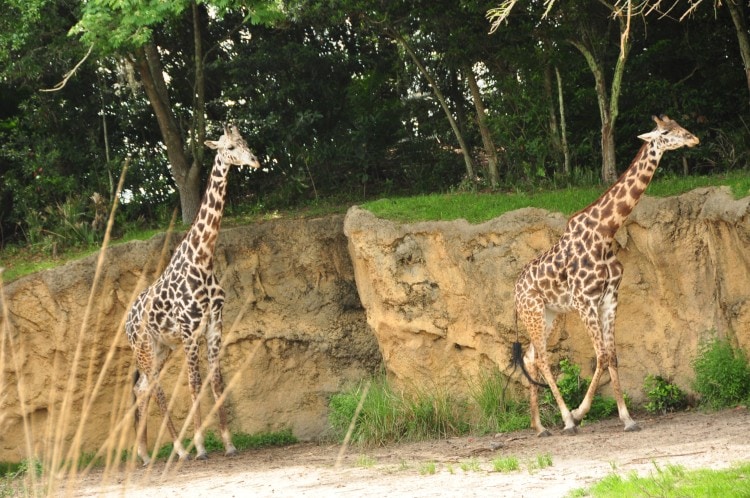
(517, 357)
(137, 416)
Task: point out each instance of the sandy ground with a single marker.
(462, 466)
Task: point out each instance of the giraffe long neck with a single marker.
(205, 228)
(614, 206)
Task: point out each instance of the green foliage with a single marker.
(722, 374)
(241, 440)
(14, 478)
(674, 481)
(663, 396)
(387, 416)
(573, 389)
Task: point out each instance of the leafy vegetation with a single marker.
(376, 128)
(662, 395)
(573, 389)
(722, 374)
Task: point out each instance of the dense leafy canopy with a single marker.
(332, 102)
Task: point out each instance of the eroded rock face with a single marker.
(439, 295)
(439, 312)
(294, 333)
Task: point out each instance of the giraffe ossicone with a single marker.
(185, 305)
(581, 273)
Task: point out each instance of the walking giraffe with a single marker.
(185, 304)
(581, 273)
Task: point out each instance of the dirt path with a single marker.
(463, 466)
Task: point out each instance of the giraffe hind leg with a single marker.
(537, 325)
(213, 343)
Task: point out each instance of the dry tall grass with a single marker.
(50, 445)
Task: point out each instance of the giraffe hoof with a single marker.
(632, 427)
(201, 456)
(230, 453)
(544, 433)
(570, 431)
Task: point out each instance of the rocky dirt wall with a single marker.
(316, 305)
(295, 333)
(439, 295)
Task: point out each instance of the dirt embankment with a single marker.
(314, 305)
(439, 295)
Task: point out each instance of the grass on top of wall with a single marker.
(481, 207)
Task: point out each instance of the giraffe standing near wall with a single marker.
(581, 273)
(185, 304)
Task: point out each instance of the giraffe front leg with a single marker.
(609, 310)
(217, 381)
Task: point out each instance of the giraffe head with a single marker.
(232, 149)
(668, 135)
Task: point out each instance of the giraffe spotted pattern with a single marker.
(184, 305)
(581, 273)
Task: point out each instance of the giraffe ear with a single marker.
(649, 136)
(212, 144)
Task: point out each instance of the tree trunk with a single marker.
(198, 132)
(554, 129)
(484, 130)
(186, 176)
(563, 132)
(470, 172)
(740, 26)
(607, 110)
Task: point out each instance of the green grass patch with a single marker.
(427, 468)
(481, 207)
(674, 481)
(241, 440)
(472, 465)
(388, 416)
(505, 464)
(541, 462)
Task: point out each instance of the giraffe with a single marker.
(581, 273)
(183, 305)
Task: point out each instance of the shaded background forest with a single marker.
(344, 101)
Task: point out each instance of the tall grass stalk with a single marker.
(56, 441)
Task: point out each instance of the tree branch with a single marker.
(69, 74)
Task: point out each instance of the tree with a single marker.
(588, 31)
(137, 33)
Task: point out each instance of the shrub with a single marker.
(663, 396)
(573, 389)
(722, 375)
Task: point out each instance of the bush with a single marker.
(573, 389)
(722, 375)
(663, 396)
